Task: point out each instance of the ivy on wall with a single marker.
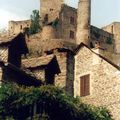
(109, 40)
(96, 34)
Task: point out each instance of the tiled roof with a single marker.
(35, 62)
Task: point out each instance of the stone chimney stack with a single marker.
(83, 22)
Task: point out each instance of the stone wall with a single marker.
(66, 77)
(114, 28)
(60, 79)
(109, 55)
(70, 73)
(68, 19)
(38, 46)
(104, 81)
(16, 27)
(104, 39)
(50, 8)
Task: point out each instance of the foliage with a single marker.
(96, 34)
(55, 23)
(35, 22)
(109, 40)
(52, 103)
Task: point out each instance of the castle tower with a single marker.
(50, 9)
(83, 22)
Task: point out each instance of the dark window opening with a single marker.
(20, 27)
(72, 34)
(91, 45)
(46, 18)
(51, 9)
(49, 77)
(72, 20)
(85, 85)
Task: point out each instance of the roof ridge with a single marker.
(104, 58)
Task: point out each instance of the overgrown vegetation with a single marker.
(35, 22)
(109, 40)
(45, 103)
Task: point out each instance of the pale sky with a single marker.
(103, 11)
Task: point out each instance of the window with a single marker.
(51, 9)
(20, 27)
(85, 85)
(46, 18)
(72, 35)
(72, 20)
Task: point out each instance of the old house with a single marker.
(97, 80)
(68, 52)
(10, 66)
(56, 67)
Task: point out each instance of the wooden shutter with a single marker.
(85, 85)
(82, 86)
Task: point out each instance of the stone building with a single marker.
(97, 80)
(71, 53)
(15, 27)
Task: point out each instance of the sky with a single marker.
(103, 11)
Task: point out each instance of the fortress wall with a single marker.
(38, 46)
(68, 22)
(114, 28)
(50, 8)
(16, 27)
(103, 38)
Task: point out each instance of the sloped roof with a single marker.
(35, 62)
(18, 75)
(6, 39)
(107, 60)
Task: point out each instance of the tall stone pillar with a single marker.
(83, 22)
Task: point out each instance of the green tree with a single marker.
(35, 22)
(18, 103)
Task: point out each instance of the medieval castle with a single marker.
(68, 52)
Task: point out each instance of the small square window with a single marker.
(85, 85)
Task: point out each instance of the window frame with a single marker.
(85, 85)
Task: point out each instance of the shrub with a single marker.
(51, 103)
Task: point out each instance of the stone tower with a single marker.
(50, 9)
(83, 22)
